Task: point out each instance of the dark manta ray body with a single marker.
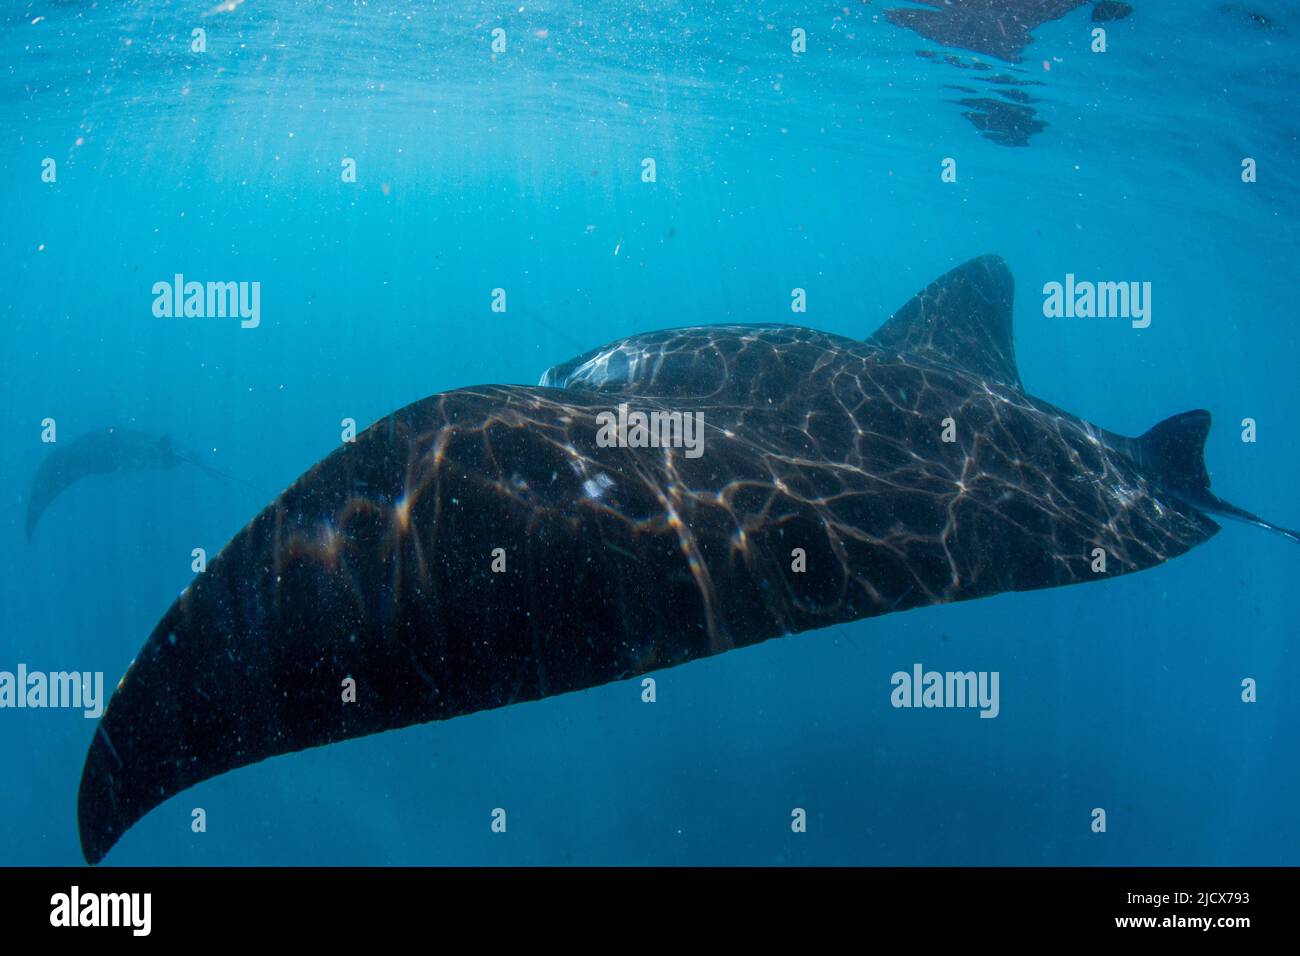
(377, 565)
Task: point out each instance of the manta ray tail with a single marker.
(1173, 454)
(212, 472)
(964, 319)
(216, 474)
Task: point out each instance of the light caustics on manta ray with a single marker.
(375, 565)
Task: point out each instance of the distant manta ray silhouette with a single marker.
(101, 452)
(380, 564)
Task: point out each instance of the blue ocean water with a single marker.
(775, 170)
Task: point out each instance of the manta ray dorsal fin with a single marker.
(962, 319)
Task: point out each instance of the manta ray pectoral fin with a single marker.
(1172, 453)
(962, 319)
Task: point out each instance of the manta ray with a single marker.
(1000, 28)
(482, 547)
(102, 452)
